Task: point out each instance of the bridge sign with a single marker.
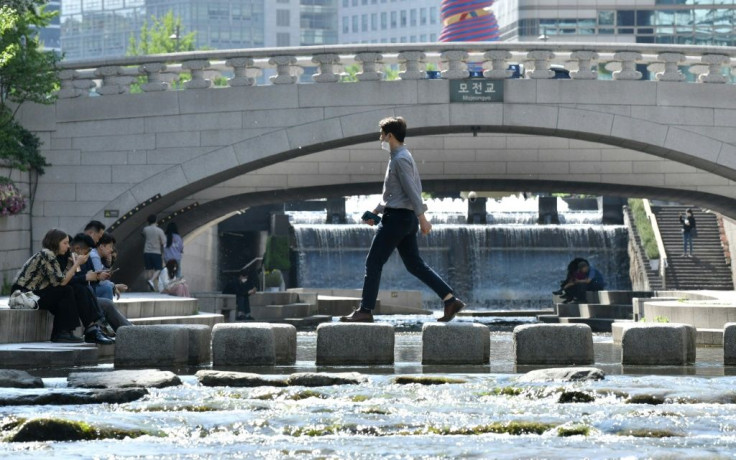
(476, 90)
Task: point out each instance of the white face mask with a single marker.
(386, 146)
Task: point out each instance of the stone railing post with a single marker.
(628, 65)
(327, 63)
(197, 67)
(73, 86)
(671, 70)
(585, 65)
(715, 63)
(369, 62)
(240, 69)
(412, 61)
(456, 65)
(153, 77)
(541, 60)
(283, 70)
(499, 68)
(110, 82)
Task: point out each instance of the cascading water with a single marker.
(493, 266)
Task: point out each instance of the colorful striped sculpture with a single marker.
(468, 21)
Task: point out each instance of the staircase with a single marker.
(708, 268)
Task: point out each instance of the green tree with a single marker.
(161, 36)
(27, 74)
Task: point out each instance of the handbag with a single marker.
(23, 300)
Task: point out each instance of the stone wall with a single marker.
(199, 262)
(637, 272)
(15, 231)
(729, 234)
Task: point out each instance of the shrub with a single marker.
(644, 228)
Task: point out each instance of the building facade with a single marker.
(389, 21)
(686, 22)
(103, 28)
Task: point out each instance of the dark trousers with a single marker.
(243, 304)
(60, 302)
(112, 314)
(397, 230)
(578, 291)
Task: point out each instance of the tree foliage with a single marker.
(27, 74)
(156, 37)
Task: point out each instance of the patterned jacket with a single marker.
(40, 271)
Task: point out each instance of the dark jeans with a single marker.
(578, 291)
(112, 314)
(397, 230)
(243, 304)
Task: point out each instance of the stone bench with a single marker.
(151, 346)
(455, 343)
(357, 343)
(729, 344)
(243, 344)
(657, 344)
(553, 344)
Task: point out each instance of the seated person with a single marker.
(48, 274)
(109, 317)
(569, 280)
(100, 257)
(243, 287)
(168, 283)
(586, 279)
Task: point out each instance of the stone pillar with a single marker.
(73, 85)
(455, 343)
(326, 62)
(197, 67)
(628, 65)
(283, 70)
(548, 210)
(370, 62)
(671, 70)
(729, 344)
(714, 62)
(612, 208)
(153, 77)
(456, 66)
(355, 343)
(657, 344)
(336, 211)
(412, 61)
(240, 71)
(280, 224)
(243, 344)
(477, 211)
(541, 60)
(553, 344)
(499, 70)
(110, 83)
(586, 70)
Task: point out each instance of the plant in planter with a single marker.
(274, 279)
(11, 200)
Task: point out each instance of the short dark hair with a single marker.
(394, 125)
(53, 239)
(82, 239)
(95, 225)
(152, 219)
(106, 238)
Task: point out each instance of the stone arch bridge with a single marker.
(253, 127)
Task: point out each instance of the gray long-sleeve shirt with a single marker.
(402, 187)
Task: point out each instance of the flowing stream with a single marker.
(635, 412)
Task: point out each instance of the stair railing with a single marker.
(660, 245)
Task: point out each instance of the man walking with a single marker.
(403, 214)
(154, 241)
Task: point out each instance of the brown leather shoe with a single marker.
(452, 309)
(358, 316)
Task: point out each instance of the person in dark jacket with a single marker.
(587, 278)
(689, 230)
(243, 287)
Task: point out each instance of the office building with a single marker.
(104, 28)
(389, 21)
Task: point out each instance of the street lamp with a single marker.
(175, 36)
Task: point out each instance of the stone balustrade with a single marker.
(328, 64)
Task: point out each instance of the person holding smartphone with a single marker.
(403, 215)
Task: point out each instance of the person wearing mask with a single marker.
(403, 216)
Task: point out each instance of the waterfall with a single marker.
(491, 266)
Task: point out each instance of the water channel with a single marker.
(635, 412)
